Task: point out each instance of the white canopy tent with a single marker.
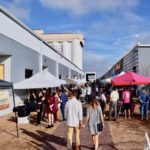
(81, 81)
(40, 80)
(108, 80)
(69, 81)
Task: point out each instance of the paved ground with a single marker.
(121, 134)
(58, 139)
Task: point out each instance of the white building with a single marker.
(23, 53)
(68, 44)
(136, 59)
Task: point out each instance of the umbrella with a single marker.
(130, 78)
(108, 80)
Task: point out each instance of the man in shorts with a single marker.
(126, 102)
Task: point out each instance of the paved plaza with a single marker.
(121, 134)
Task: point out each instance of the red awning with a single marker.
(130, 78)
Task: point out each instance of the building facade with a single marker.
(68, 44)
(136, 60)
(23, 54)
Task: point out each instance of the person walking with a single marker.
(74, 116)
(93, 118)
(39, 110)
(50, 108)
(103, 102)
(144, 99)
(126, 102)
(63, 100)
(88, 93)
(114, 97)
(55, 107)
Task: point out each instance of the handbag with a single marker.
(99, 125)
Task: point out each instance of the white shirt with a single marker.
(88, 90)
(83, 91)
(103, 97)
(73, 112)
(114, 96)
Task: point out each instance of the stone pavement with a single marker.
(123, 134)
(58, 139)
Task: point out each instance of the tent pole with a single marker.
(15, 112)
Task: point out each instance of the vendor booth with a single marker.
(7, 100)
(130, 78)
(42, 79)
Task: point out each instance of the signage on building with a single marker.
(118, 66)
(4, 99)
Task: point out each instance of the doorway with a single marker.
(2, 71)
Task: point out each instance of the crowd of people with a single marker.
(94, 97)
(47, 102)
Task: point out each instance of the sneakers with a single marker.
(77, 147)
(93, 148)
(50, 126)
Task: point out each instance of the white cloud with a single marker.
(143, 37)
(19, 8)
(76, 7)
(96, 62)
(81, 7)
(109, 5)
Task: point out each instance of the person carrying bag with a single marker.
(95, 121)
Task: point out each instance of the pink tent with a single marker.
(130, 78)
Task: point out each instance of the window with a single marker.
(60, 76)
(28, 73)
(44, 67)
(134, 69)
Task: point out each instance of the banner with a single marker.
(4, 99)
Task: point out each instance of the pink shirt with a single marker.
(126, 96)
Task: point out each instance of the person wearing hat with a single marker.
(144, 100)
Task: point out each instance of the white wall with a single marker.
(144, 61)
(63, 71)
(67, 50)
(77, 53)
(11, 29)
(21, 58)
(51, 65)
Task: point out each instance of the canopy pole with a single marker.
(15, 112)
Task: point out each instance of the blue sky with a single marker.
(110, 27)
